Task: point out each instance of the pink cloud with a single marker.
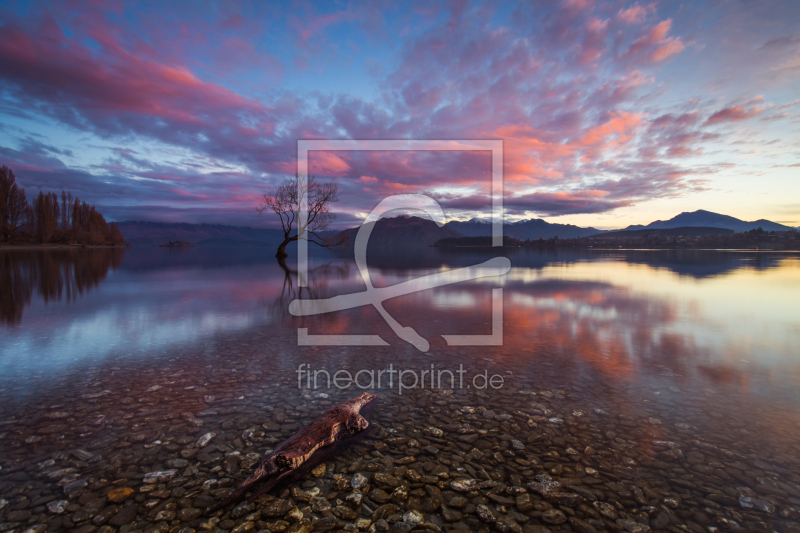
(578, 5)
(327, 164)
(190, 194)
(529, 158)
(673, 135)
(636, 14)
(736, 113)
(396, 187)
(552, 85)
(542, 203)
(655, 46)
(564, 202)
(594, 40)
(612, 135)
(53, 68)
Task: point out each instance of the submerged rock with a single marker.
(161, 476)
(203, 441)
(463, 485)
(554, 516)
(485, 514)
(755, 503)
(57, 506)
(358, 481)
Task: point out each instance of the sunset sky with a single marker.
(612, 113)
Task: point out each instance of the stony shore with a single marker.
(146, 445)
(436, 461)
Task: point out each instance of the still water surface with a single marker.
(660, 388)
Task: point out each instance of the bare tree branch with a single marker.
(284, 200)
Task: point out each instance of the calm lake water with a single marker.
(659, 389)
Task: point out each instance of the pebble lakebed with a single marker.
(150, 449)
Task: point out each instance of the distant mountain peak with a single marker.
(404, 230)
(704, 218)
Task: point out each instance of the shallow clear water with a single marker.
(659, 387)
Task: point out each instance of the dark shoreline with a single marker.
(15, 247)
(612, 248)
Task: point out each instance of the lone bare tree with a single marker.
(13, 204)
(284, 200)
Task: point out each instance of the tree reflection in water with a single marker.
(317, 287)
(54, 275)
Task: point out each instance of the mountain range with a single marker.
(403, 231)
(683, 230)
(711, 220)
(534, 228)
(148, 234)
(411, 230)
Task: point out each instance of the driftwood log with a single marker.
(316, 442)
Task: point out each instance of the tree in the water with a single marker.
(284, 200)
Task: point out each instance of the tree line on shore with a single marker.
(49, 218)
(479, 241)
(752, 239)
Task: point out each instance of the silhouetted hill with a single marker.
(144, 234)
(702, 218)
(691, 230)
(534, 228)
(476, 227)
(403, 231)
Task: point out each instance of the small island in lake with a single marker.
(177, 244)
